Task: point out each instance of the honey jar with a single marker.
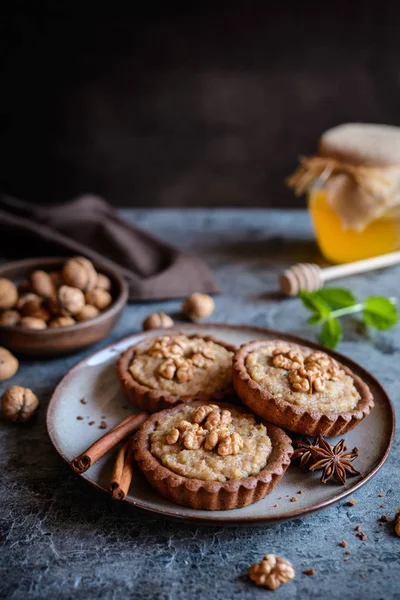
(353, 188)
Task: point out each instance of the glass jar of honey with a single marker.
(353, 188)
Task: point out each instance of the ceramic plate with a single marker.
(90, 393)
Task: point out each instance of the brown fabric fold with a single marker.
(88, 225)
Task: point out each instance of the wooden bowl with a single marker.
(62, 340)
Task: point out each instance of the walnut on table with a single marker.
(397, 524)
(157, 320)
(8, 364)
(18, 404)
(271, 571)
(198, 306)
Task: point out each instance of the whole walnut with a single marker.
(8, 293)
(42, 284)
(79, 273)
(103, 282)
(198, 306)
(61, 322)
(28, 297)
(10, 317)
(158, 320)
(32, 323)
(87, 312)
(32, 308)
(101, 299)
(18, 403)
(8, 364)
(67, 301)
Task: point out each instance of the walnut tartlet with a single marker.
(162, 371)
(211, 457)
(300, 389)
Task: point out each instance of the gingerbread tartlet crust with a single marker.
(152, 399)
(211, 495)
(287, 414)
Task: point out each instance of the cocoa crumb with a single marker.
(294, 499)
(275, 505)
(362, 536)
(309, 572)
(299, 492)
(91, 423)
(79, 418)
(362, 575)
(103, 417)
(381, 495)
(103, 425)
(347, 552)
(280, 498)
(343, 543)
(83, 401)
(381, 506)
(357, 528)
(345, 560)
(352, 502)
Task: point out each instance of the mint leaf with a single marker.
(336, 297)
(380, 313)
(315, 319)
(312, 302)
(331, 333)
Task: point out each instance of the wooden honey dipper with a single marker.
(310, 277)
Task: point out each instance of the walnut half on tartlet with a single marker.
(300, 389)
(162, 371)
(211, 456)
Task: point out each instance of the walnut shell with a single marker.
(8, 364)
(101, 299)
(28, 297)
(62, 322)
(87, 312)
(42, 284)
(32, 323)
(8, 294)
(103, 282)
(158, 320)
(79, 273)
(198, 306)
(18, 403)
(34, 309)
(24, 287)
(10, 317)
(56, 277)
(68, 301)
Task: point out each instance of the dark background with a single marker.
(191, 106)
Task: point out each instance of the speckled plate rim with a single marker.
(207, 519)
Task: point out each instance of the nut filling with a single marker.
(211, 444)
(312, 380)
(182, 366)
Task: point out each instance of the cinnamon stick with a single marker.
(84, 461)
(123, 472)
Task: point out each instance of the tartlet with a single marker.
(299, 389)
(162, 371)
(241, 468)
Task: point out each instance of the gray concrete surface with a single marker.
(59, 538)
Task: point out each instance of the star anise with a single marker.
(333, 461)
(303, 452)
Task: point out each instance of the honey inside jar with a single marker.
(340, 245)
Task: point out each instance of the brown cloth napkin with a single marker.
(89, 226)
